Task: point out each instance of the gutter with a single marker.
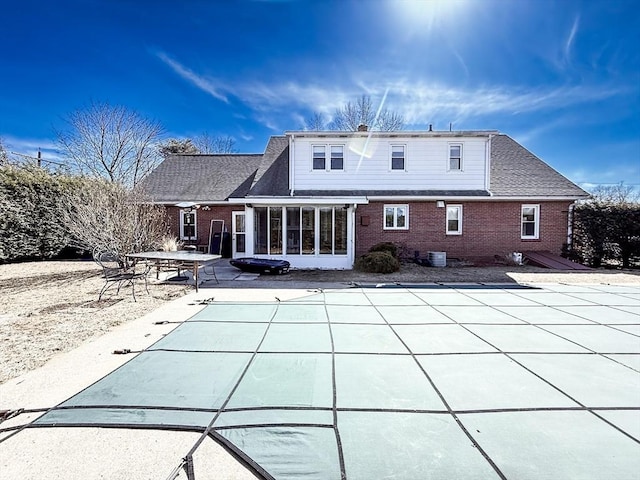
(487, 171)
(298, 200)
(292, 152)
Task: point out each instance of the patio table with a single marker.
(193, 258)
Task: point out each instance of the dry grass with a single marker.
(51, 307)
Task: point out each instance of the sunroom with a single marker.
(307, 235)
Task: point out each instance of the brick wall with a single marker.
(203, 221)
(488, 229)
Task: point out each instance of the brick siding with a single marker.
(488, 229)
(203, 221)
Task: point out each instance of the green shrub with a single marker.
(607, 231)
(387, 247)
(377, 262)
(31, 204)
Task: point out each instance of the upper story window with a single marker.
(530, 222)
(454, 219)
(396, 217)
(336, 159)
(397, 157)
(455, 156)
(319, 157)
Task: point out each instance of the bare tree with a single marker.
(113, 217)
(316, 122)
(175, 146)
(363, 112)
(4, 158)
(215, 144)
(618, 193)
(112, 142)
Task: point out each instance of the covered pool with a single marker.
(404, 382)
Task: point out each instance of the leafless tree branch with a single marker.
(111, 142)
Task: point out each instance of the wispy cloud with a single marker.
(420, 102)
(570, 40)
(203, 83)
(277, 104)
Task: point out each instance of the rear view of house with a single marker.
(320, 199)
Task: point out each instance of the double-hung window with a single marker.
(454, 219)
(187, 225)
(337, 157)
(455, 157)
(396, 217)
(319, 157)
(530, 222)
(397, 157)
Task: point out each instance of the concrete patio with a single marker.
(410, 382)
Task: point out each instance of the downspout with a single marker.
(487, 172)
(570, 225)
(352, 249)
(291, 169)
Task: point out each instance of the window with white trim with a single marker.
(300, 230)
(336, 157)
(398, 157)
(455, 157)
(530, 222)
(188, 225)
(319, 157)
(396, 217)
(454, 219)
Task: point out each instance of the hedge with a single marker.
(31, 202)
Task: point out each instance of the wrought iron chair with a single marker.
(116, 271)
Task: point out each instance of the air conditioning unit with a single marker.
(437, 259)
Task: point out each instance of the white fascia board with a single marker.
(389, 134)
(299, 200)
(534, 199)
(174, 203)
(429, 198)
(471, 199)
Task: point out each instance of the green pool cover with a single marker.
(351, 384)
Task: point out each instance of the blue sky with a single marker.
(560, 77)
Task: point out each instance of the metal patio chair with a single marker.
(116, 271)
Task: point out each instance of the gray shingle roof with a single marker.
(202, 178)
(516, 172)
(272, 178)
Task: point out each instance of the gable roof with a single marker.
(516, 172)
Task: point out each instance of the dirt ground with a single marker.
(51, 307)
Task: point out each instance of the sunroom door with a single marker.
(238, 235)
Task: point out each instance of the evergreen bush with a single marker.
(31, 205)
(377, 262)
(388, 247)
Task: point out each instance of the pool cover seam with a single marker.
(343, 471)
(210, 429)
(443, 400)
(509, 356)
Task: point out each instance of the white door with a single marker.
(238, 235)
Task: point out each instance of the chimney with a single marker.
(363, 128)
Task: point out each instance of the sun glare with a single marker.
(428, 13)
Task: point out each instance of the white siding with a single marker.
(426, 164)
